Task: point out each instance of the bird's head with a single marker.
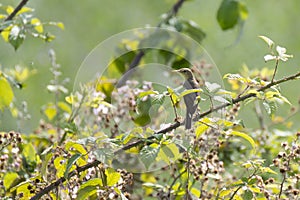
(186, 72)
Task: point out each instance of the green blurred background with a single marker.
(89, 22)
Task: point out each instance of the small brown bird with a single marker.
(189, 99)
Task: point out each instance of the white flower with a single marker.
(269, 57)
(281, 53)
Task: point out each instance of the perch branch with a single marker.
(163, 131)
(222, 106)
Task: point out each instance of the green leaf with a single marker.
(228, 14)
(248, 195)
(245, 136)
(89, 188)
(168, 153)
(45, 163)
(158, 99)
(104, 155)
(9, 178)
(192, 29)
(148, 155)
(270, 107)
(174, 151)
(16, 37)
(29, 155)
(112, 176)
(6, 94)
(70, 163)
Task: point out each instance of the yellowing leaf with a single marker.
(245, 136)
(65, 107)
(6, 93)
(112, 176)
(224, 193)
(147, 177)
(70, 99)
(75, 147)
(9, 179)
(5, 34)
(37, 25)
(195, 192)
(186, 92)
(268, 170)
(60, 25)
(24, 9)
(2, 16)
(201, 129)
(9, 9)
(50, 111)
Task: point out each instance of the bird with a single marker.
(189, 99)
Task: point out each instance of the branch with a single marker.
(173, 12)
(63, 179)
(163, 131)
(16, 10)
(141, 141)
(234, 101)
(247, 96)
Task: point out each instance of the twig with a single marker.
(283, 180)
(16, 10)
(275, 70)
(174, 181)
(234, 101)
(165, 130)
(141, 141)
(175, 8)
(63, 179)
(281, 185)
(247, 96)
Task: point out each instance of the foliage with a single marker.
(15, 30)
(104, 141)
